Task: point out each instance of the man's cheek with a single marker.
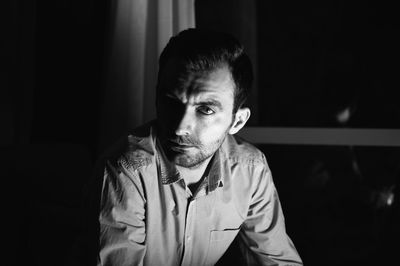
(210, 135)
(219, 125)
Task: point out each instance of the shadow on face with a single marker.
(194, 108)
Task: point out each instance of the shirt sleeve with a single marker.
(121, 218)
(263, 235)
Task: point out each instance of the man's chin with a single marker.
(184, 160)
(188, 161)
(189, 157)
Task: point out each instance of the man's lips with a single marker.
(176, 146)
(180, 148)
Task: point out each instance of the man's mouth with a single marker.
(179, 146)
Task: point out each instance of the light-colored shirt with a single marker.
(148, 215)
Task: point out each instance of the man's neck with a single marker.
(193, 175)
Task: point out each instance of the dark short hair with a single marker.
(205, 50)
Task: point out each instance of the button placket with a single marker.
(188, 238)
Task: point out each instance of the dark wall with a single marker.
(51, 85)
(69, 48)
(320, 57)
(52, 69)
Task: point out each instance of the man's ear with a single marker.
(240, 119)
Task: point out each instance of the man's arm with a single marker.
(122, 215)
(263, 237)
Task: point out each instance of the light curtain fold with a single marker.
(139, 30)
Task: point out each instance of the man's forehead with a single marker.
(218, 80)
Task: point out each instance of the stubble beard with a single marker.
(195, 160)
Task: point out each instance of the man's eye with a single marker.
(205, 110)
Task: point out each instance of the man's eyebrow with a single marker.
(210, 102)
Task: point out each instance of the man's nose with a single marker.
(185, 125)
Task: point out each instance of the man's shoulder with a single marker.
(135, 149)
(240, 150)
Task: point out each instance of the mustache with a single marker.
(184, 140)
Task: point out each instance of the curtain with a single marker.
(139, 30)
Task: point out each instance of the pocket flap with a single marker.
(218, 235)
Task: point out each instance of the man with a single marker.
(181, 189)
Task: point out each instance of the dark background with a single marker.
(311, 61)
(51, 86)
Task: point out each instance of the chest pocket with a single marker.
(219, 243)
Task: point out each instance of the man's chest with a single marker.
(193, 230)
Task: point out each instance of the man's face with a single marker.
(194, 113)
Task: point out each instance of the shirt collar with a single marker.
(216, 173)
(169, 173)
